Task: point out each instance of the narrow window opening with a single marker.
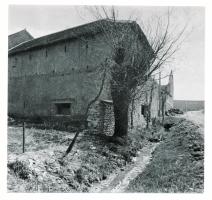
(63, 108)
(65, 48)
(46, 53)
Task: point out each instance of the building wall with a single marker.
(139, 118)
(66, 72)
(61, 72)
(135, 116)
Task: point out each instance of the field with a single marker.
(186, 105)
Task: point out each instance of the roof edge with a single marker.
(52, 38)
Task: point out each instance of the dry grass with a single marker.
(177, 164)
(41, 168)
(35, 139)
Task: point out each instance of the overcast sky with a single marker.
(188, 63)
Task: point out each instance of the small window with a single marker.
(30, 56)
(13, 66)
(65, 48)
(63, 108)
(46, 53)
(86, 45)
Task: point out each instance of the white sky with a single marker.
(188, 64)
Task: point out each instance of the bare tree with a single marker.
(133, 59)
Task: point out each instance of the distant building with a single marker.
(54, 75)
(18, 38)
(167, 94)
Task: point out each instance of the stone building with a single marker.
(153, 95)
(55, 75)
(167, 93)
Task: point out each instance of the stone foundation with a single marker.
(107, 121)
(101, 117)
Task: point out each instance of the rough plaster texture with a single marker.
(62, 71)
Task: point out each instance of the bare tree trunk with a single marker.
(121, 107)
(121, 120)
(149, 106)
(131, 114)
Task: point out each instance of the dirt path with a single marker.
(119, 181)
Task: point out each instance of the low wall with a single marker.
(101, 117)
